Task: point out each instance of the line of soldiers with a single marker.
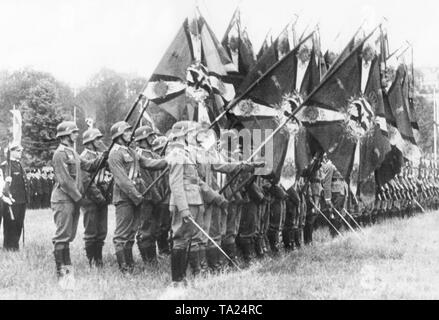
(412, 190)
(197, 211)
(40, 185)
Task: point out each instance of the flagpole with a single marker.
(74, 120)
(434, 126)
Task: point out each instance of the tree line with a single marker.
(44, 102)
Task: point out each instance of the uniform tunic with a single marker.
(95, 206)
(67, 192)
(124, 164)
(12, 228)
(184, 184)
(149, 228)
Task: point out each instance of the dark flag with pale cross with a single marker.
(341, 113)
(263, 106)
(188, 82)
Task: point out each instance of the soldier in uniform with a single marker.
(334, 193)
(13, 221)
(249, 216)
(277, 216)
(33, 189)
(236, 198)
(67, 195)
(312, 192)
(95, 205)
(211, 165)
(29, 191)
(292, 207)
(263, 214)
(149, 228)
(163, 243)
(46, 189)
(38, 185)
(186, 201)
(124, 163)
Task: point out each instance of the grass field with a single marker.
(394, 260)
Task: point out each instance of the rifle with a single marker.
(130, 112)
(110, 185)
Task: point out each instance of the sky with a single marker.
(74, 39)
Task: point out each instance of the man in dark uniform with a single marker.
(293, 203)
(277, 216)
(46, 188)
(38, 190)
(249, 215)
(163, 240)
(33, 189)
(95, 204)
(124, 164)
(13, 221)
(67, 196)
(29, 189)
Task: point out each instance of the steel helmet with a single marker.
(118, 129)
(91, 135)
(66, 128)
(143, 133)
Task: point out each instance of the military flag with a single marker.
(239, 49)
(268, 42)
(262, 107)
(188, 82)
(17, 121)
(342, 112)
(399, 103)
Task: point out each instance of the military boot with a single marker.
(230, 250)
(246, 246)
(67, 281)
(203, 260)
(194, 262)
(121, 260)
(98, 256)
(90, 252)
(259, 250)
(213, 259)
(59, 261)
(149, 255)
(163, 244)
(129, 259)
(287, 240)
(298, 236)
(307, 234)
(273, 240)
(178, 266)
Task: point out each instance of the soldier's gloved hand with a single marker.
(102, 202)
(7, 200)
(329, 203)
(247, 166)
(221, 202)
(104, 155)
(8, 179)
(186, 214)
